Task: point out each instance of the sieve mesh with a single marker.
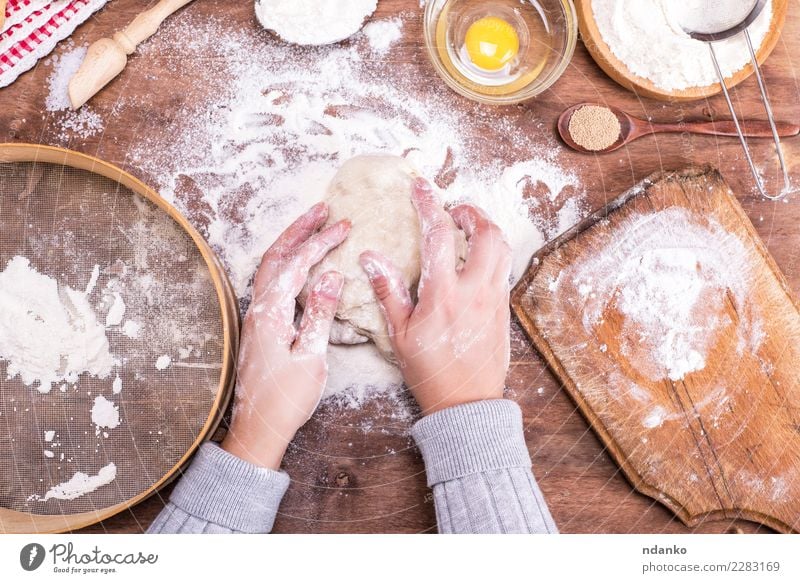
(66, 221)
(716, 16)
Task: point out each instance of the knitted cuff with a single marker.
(221, 488)
(471, 438)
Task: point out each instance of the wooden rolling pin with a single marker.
(107, 57)
(2, 14)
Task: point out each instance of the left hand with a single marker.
(283, 370)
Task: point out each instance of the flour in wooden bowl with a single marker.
(648, 36)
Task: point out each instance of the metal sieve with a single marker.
(73, 216)
(711, 21)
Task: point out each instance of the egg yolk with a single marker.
(491, 43)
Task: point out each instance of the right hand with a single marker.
(454, 345)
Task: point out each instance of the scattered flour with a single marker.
(655, 418)
(131, 329)
(382, 34)
(649, 37)
(105, 415)
(163, 362)
(49, 333)
(81, 484)
(116, 312)
(116, 386)
(92, 281)
(278, 120)
(49, 436)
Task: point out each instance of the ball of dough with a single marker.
(374, 193)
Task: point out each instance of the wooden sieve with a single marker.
(72, 215)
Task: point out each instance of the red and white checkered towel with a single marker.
(33, 27)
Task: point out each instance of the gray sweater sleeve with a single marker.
(220, 493)
(475, 457)
(480, 470)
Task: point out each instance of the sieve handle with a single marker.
(765, 99)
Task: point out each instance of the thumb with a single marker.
(389, 288)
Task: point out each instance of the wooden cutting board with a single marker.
(674, 331)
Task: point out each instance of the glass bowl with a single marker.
(547, 31)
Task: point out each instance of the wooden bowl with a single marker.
(619, 72)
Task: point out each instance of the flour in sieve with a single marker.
(49, 333)
(117, 311)
(80, 484)
(163, 362)
(105, 415)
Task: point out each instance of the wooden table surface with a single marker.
(352, 477)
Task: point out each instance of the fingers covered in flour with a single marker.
(489, 255)
(294, 236)
(315, 327)
(391, 291)
(437, 252)
(277, 298)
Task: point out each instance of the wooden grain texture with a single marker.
(348, 475)
(620, 73)
(107, 57)
(722, 440)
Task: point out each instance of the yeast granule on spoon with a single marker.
(594, 127)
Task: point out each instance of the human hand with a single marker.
(282, 370)
(454, 345)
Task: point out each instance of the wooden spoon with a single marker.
(633, 128)
(107, 57)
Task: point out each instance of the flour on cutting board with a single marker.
(667, 274)
(282, 120)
